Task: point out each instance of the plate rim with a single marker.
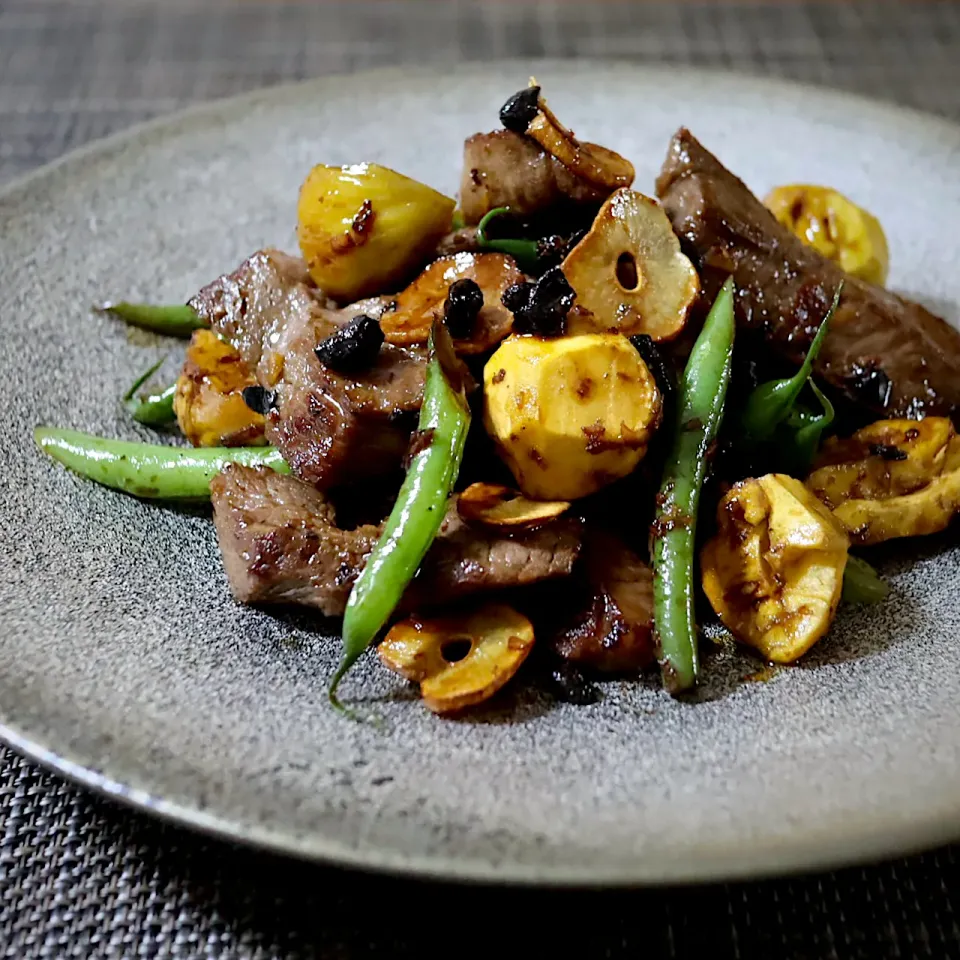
(795, 858)
(790, 857)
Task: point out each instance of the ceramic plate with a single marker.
(124, 662)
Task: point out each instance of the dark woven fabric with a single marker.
(82, 878)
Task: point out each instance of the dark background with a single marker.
(82, 878)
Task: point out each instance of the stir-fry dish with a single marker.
(556, 422)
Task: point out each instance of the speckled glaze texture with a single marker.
(125, 663)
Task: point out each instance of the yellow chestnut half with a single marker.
(363, 228)
(569, 415)
(773, 572)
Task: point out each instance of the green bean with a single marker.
(861, 583)
(148, 470)
(525, 252)
(175, 320)
(700, 411)
(155, 410)
(419, 509)
(771, 403)
(804, 428)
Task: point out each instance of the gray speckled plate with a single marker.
(124, 662)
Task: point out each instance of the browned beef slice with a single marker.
(889, 355)
(280, 544)
(505, 169)
(335, 428)
(331, 428)
(609, 626)
(466, 559)
(253, 305)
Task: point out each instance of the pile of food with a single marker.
(545, 423)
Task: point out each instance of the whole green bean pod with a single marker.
(419, 509)
(155, 410)
(525, 252)
(700, 410)
(174, 320)
(149, 470)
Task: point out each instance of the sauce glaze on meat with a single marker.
(332, 428)
(888, 355)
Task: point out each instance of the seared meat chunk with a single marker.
(466, 559)
(253, 306)
(609, 626)
(332, 428)
(888, 355)
(337, 427)
(505, 169)
(280, 544)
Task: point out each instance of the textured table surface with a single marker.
(80, 877)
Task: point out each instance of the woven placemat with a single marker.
(82, 878)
